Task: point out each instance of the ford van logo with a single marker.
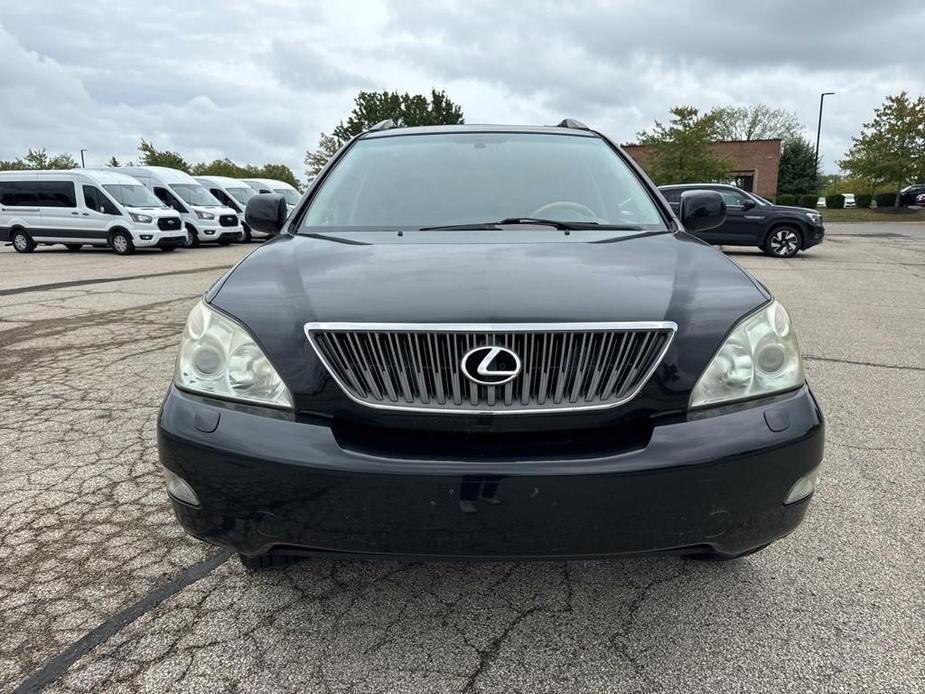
(490, 366)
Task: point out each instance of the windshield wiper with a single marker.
(535, 221)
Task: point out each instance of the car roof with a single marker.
(226, 181)
(478, 128)
(98, 176)
(269, 182)
(163, 172)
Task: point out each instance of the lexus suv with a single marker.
(778, 230)
(488, 342)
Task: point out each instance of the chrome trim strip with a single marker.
(492, 327)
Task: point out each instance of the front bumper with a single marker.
(815, 236)
(216, 234)
(171, 241)
(270, 481)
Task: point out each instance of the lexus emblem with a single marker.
(490, 366)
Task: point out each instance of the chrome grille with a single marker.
(565, 366)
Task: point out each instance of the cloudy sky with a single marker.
(257, 81)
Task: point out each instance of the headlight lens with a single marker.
(218, 357)
(814, 217)
(141, 218)
(204, 215)
(761, 356)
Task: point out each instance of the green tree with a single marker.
(759, 122)
(224, 167)
(327, 148)
(113, 163)
(797, 173)
(39, 159)
(372, 107)
(682, 152)
(150, 156)
(890, 150)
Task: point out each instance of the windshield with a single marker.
(242, 195)
(416, 181)
(133, 195)
(194, 194)
(291, 196)
(760, 200)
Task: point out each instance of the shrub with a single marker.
(886, 199)
(786, 199)
(863, 200)
(835, 202)
(808, 201)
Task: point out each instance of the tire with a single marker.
(73, 246)
(262, 562)
(121, 242)
(246, 236)
(168, 249)
(22, 242)
(783, 242)
(192, 238)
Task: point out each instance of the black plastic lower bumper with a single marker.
(269, 482)
(170, 241)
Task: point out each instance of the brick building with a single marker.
(754, 163)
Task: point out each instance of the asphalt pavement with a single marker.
(100, 590)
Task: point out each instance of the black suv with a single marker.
(488, 342)
(751, 220)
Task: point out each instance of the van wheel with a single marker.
(73, 246)
(783, 242)
(122, 243)
(22, 242)
(261, 562)
(192, 238)
(246, 236)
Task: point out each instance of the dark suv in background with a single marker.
(910, 194)
(751, 220)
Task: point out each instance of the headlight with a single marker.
(761, 356)
(141, 218)
(814, 217)
(205, 215)
(218, 357)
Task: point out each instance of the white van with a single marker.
(205, 218)
(78, 207)
(268, 185)
(232, 193)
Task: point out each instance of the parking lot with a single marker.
(100, 589)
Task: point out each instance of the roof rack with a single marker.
(572, 123)
(386, 124)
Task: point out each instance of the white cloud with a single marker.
(258, 81)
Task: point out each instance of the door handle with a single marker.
(85, 214)
(74, 213)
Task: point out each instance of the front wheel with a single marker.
(783, 242)
(122, 243)
(22, 242)
(192, 238)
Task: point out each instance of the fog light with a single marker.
(210, 232)
(146, 237)
(804, 486)
(178, 488)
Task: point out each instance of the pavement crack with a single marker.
(813, 357)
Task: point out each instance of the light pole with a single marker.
(84, 166)
(818, 133)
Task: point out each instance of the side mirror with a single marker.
(266, 212)
(748, 204)
(702, 210)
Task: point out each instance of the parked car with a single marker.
(910, 194)
(482, 342)
(269, 185)
(778, 230)
(205, 219)
(83, 208)
(232, 193)
(820, 203)
(850, 202)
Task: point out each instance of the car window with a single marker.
(415, 181)
(168, 199)
(733, 198)
(226, 200)
(56, 193)
(96, 201)
(19, 194)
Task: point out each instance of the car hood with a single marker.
(486, 277)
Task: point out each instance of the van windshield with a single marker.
(194, 194)
(132, 195)
(291, 196)
(428, 180)
(242, 194)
